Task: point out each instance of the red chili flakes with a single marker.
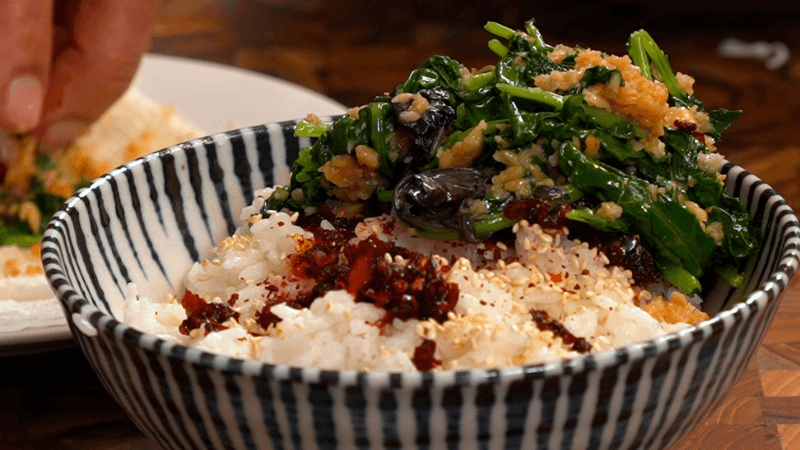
(538, 211)
(414, 290)
(556, 277)
(200, 313)
(545, 323)
(273, 296)
(334, 261)
(493, 249)
(313, 256)
(423, 356)
(689, 128)
(265, 318)
(389, 226)
(685, 127)
(629, 252)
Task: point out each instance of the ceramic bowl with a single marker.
(146, 222)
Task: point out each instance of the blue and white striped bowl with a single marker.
(147, 221)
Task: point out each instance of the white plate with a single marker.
(219, 98)
(214, 97)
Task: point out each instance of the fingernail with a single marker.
(61, 134)
(23, 107)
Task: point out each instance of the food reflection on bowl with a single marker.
(148, 221)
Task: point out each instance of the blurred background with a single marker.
(352, 50)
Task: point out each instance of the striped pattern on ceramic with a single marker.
(146, 222)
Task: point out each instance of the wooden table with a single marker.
(352, 51)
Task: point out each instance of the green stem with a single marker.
(730, 275)
(643, 50)
(498, 48)
(535, 34)
(308, 129)
(499, 30)
(479, 80)
(538, 95)
(483, 227)
(638, 53)
(608, 120)
(680, 278)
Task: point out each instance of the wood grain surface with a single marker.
(352, 51)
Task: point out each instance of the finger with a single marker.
(25, 46)
(94, 65)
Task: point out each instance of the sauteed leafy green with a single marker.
(450, 149)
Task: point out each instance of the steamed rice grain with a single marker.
(490, 326)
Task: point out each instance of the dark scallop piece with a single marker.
(439, 198)
(433, 125)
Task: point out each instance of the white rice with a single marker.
(491, 325)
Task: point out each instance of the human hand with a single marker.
(64, 62)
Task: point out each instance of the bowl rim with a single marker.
(86, 318)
